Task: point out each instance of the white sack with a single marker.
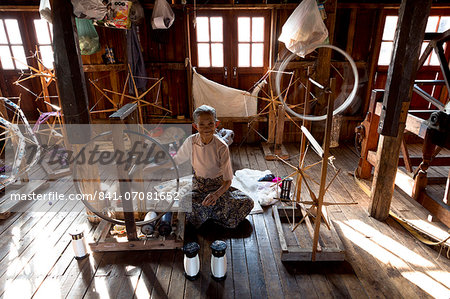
(304, 30)
(246, 180)
(228, 102)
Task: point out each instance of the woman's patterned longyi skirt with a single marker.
(230, 209)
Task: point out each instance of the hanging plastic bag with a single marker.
(45, 10)
(304, 29)
(162, 16)
(87, 37)
(89, 9)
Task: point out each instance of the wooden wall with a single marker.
(356, 28)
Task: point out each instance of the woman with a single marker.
(212, 194)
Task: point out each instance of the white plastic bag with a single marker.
(89, 9)
(45, 10)
(162, 16)
(304, 29)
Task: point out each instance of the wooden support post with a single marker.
(279, 130)
(323, 173)
(303, 141)
(72, 89)
(69, 71)
(324, 66)
(117, 120)
(369, 135)
(272, 125)
(409, 35)
(406, 159)
(420, 180)
(188, 63)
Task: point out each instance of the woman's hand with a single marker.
(212, 197)
(210, 200)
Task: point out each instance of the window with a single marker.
(11, 45)
(247, 41)
(210, 41)
(44, 35)
(231, 47)
(250, 41)
(434, 24)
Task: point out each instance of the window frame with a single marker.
(210, 42)
(230, 38)
(25, 20)
(9, 44)
(392, 12)
(38, 45)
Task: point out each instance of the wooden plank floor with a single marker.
(382, 259)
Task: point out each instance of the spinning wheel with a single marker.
(349, 77)
(141, 160)
(329, 92)
(24, 147)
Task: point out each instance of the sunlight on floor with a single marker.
(50, 289)
(389, 244)
(18, 288)
(427, 284)
(391, 252)
(441, 276)
(13, 252)
(404, 182)
(141, 288)
(101, 287)
(377, 250)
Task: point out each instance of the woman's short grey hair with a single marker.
(204, 109)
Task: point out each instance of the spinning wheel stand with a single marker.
(306, 241)
(131, 181)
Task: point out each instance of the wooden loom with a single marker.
(414, 182)
(305, 241)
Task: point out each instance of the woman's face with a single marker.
(206, 125)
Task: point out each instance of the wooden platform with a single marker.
(297, 245)
(103, 241)
(382, 259)
(271, 155)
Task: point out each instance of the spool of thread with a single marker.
(286, 188)
(149, 228)
(218, 260)
(165, 225)
(79, 244)
(191, 260)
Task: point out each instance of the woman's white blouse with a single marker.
(208, 160)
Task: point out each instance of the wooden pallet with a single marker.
(104, 241)
(297, 245)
